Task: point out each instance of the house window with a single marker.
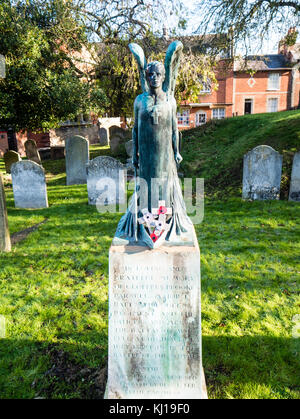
(184, 117)
(218, 113)
(206, 86)
(274, 81)
(272, 105)
(200, 118)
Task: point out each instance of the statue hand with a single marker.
(178, 158)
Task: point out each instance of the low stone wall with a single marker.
(88, 131)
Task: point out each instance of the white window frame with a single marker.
(271, 84)
(206, 86)
(197, 118)
(269, 106)
(183, 118)
(218, 113)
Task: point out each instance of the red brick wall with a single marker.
(3, 143)
(42, 139)
(296, 98)
(21, 138)
(259, 92)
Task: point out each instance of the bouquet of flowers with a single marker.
(156, 222)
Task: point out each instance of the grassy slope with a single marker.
(53, 293)
(215, 151)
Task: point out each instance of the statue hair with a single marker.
(155, 63)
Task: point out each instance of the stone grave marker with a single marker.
(129, 151)
(32, 151)
(77, 157)
(105, 181)
(129, 148)
(117, 138)
(11, 157)
(29, 185)
(295, 180)
(103, 134)
(262, 173)
(5, 244)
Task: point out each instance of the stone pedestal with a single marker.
(155, 323)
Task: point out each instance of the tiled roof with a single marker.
(262, 62)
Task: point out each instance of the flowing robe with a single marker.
(155, 142)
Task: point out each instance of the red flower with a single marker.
(154, 237)
(162, 210)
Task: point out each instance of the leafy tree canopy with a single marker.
(43, 85)
(112, 25)
(248, 21)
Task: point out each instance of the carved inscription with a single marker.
(154, 329)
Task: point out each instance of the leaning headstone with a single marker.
(105, 181)
(77, 157)
(262, 174)
(29, 185)
(11, 157)
(5, 244)
(103, 134)
(32, 151)
(295, 180)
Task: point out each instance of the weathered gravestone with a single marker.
(29, 185)
(105, 181)
(295, 180)
(32, 151)
(77, 157)
(103, 134)
(117, 139)
(5, 244)
(129, 148)
(262, 173)
(154, 275)
(11, 157)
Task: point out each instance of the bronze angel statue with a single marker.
(156, 213)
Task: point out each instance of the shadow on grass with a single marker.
(268, 365)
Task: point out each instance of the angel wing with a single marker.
(139, 56)
(172, 62)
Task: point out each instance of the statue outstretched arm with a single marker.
(175, 135)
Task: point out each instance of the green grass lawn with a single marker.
(53, 294)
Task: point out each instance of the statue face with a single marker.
(156, 75)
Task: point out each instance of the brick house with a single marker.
(267, 83)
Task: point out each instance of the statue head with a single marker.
(155, 73)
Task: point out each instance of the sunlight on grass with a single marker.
(54, 294)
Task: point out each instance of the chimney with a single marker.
(165, 32)
(286, 44)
